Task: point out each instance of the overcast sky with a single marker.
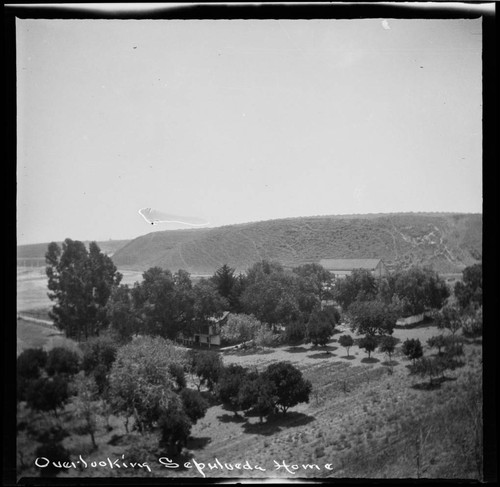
(237, 121)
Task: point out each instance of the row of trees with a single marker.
(85, 287)
(88, 297)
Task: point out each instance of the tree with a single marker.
(437, 341)
(388, 345)
(449, 318)
(347, 342)
(295, 332)
(431, 367)
(163, 303)
(121, 314)
(174, 424)
(291, 388)
(412, 348)
(229, 286)
(315, 285)
(47, 394)
(99, 353)
(80, 283)
(31, 362)
(140, 379)
(319, 328)
(472, 326)
(469, 292)
(194, 404)
(207, 304)
(258, 394)
(228, 387)
(372, 318)
(240, 328)
(62, 360)
(420, 289)
(271, 294)
(368, 344)
(360, 285)
(86, 405)
(206, 366)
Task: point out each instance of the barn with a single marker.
(342, 268)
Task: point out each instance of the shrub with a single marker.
(388, 345)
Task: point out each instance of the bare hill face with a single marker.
(447, 242)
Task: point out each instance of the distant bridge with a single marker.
(31, 262)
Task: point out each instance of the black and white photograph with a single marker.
(249, 248)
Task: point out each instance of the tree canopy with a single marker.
(80, 283)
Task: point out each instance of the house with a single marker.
(208, 334)
(343, 267)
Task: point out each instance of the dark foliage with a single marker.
(61, 360)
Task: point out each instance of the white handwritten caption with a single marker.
(200, 467)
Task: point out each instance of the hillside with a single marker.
(448, 242)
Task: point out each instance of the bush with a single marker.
(228, 387)
(266, 338)
(61, 360)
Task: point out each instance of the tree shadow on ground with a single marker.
(264, 351)
(390, 363)
(348, 357)
(296, 349)
(277, 422)
(231, 418)
(197, 443)
(322, 355)
(371, 360)
(431, 386)
(328, 348)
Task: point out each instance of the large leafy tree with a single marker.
(80, 282)
(290, 387)
(420, 289)
(320, 328)
(360, 285)
(141, 384)
(315, 284)
(207, 304)
(162, 303)
(271, 294)
(469, 292)
(372, 317)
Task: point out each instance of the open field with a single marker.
(32, 287)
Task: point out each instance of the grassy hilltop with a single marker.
(447, 241)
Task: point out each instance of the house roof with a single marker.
(213, 319)
(349, 264)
